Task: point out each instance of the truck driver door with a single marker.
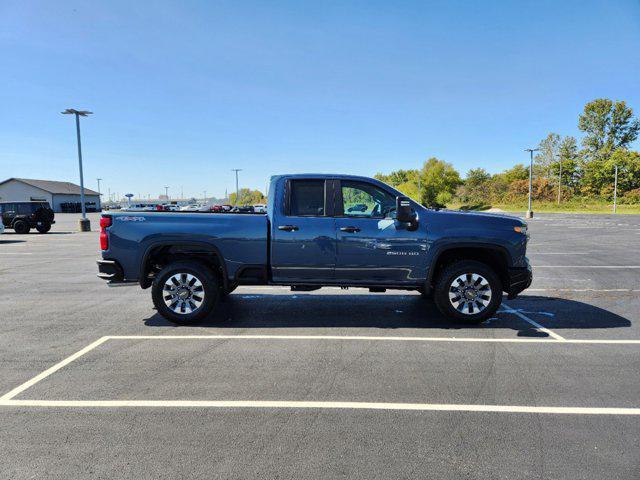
(372, 246)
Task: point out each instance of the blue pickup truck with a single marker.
(319, 230)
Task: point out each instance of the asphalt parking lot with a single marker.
(324, 384)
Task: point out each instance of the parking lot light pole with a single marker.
(84, 223)
(99, 193)
(166, 192)
(529, 213)
(560, 179)
(615, 190)
(237, 190)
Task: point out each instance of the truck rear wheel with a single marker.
(185, 292)
(468, 291)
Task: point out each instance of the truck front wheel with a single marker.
(468, 291)
(185, 292)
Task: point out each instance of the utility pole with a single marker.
(166, 192)
(205, 196)
(181, 192)
(237, 189)
(84, 223)
(615, 191)
(529, 213)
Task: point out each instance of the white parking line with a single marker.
(8, 400)
(440, 407)
(582, 290)
(587, 266)
(533, 322)
(55, 368)
(377, 339)
(529, 252)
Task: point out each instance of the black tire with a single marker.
(449, 275)
(210, 289)
(43, 228)
(21, 227)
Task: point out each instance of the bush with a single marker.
(632, 197)
(541, 189)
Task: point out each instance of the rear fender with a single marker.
(189, 245)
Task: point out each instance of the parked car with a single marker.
(1, 228)
(359, 207)
(167, 207)
(138, 207)
(23, 216)
(194, 207)
(243, 209)
(260, 208)
(309, 240)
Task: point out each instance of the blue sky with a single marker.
(184, 91)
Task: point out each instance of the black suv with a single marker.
(23, 216)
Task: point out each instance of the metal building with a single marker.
(62, 196)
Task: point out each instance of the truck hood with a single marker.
(495, 220)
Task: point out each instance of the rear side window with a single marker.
(307, 198)
(26, 208)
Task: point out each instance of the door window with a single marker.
(26, 208)
(365, 200)
(307, 198)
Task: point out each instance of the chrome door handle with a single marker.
(288, 228)
(349, 229)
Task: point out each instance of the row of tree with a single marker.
(246, 196)
(584, 170)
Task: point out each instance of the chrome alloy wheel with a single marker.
(470, 293)
(183, 293)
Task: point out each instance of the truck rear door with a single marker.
(303, 232)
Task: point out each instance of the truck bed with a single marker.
(240, 239)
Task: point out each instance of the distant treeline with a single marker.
(587, 167)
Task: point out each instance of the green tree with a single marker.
(397, 177)
(476, 187)
(547, 155)
(517, 172)
(439, 181)
(628, 169)
(599, 174)
(501, 182)
(608, 126)
(247, 197)
(569, 157)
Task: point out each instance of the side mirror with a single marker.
(403, 210)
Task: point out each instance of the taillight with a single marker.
(105, 221)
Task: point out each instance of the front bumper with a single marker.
(519, 279)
